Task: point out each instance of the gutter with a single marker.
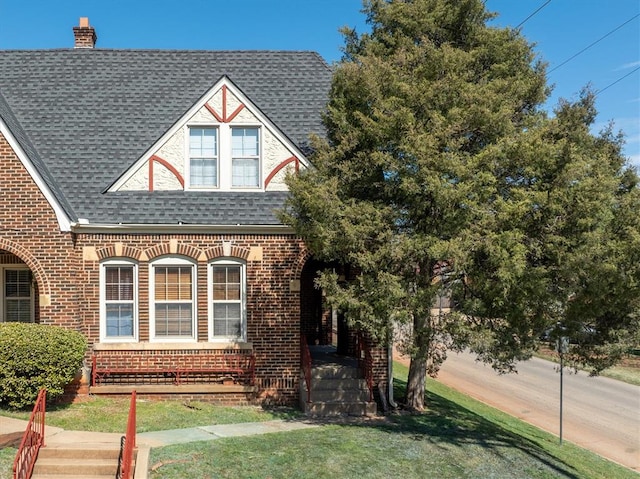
(83, 226)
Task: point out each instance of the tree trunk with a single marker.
(416, 383)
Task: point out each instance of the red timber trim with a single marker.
(276, 170)
(224, 118)
(167, 165)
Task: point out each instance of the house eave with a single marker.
(107, 228)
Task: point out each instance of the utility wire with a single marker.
(592, 44)
(618, 80)
(526, 19)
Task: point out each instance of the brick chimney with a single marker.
(85, 34)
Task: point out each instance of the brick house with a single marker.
(138, 206)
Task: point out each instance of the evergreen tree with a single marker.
(440, 172)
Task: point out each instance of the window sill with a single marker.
(146, 346)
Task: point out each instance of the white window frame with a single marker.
(258, 157)
(243, 299)
(188, 157)
(225, 157)
(173, 261)
(103, 301)
(15, 267)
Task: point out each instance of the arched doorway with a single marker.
(319, 323)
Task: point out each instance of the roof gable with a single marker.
(224, 103)
(90, 114)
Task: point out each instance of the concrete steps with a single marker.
(85, 461)
(336, 390)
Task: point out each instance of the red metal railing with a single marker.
(365, 363)
(125, 463)
(306, 364)
(32, 440)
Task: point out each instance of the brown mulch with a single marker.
(11, 440)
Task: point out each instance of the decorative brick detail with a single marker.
(235, 251)
(126, 251)
(34, 265)
(173, 248)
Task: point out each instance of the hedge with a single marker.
(34, 356)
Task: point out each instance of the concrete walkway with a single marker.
(57, 437)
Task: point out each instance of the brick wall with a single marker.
(65, 267)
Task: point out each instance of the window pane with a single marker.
(18, 310)
(173, 319)
(245, 172)
(119, 283)
(173, 283)
(244, 142)
(203, 154)
(17, 283)
(227, 320)
(203, 142)
(219, 292)
(203, 172)
(119, 301)
(119, 320)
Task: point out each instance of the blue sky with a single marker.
(560, 30)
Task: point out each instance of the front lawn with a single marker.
(110, 415)
(457, 437)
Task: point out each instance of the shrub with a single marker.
(34, 356)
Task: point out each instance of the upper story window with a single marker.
(17, 295)
(203, 157)
(224, 157)
(173, 293)
(245, 157)
(227, 291)
(118, 301)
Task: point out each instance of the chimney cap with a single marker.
(84, 22)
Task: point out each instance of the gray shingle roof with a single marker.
(85, 115)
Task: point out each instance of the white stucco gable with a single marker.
(166, 164)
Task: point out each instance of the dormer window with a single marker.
(203, 157)
(245, 157)
(224, 157)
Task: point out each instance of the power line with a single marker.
(618, 80)
(526, 19)
(592, 44)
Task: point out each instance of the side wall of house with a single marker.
(29, 231)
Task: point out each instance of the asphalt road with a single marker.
(599, 414)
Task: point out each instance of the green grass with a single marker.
(110, 415)
(626, 371)
(7, 455)
(457, 437)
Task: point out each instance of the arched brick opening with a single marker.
(42, 290)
